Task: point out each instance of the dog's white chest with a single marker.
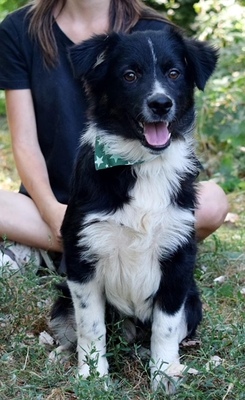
(128, 244)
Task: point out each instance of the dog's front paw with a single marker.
(91, 367)
(169, 378)
(103, 366)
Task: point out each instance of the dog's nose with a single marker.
(160, 104)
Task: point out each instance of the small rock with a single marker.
(46, 339)
(220, 279)
(242, 291)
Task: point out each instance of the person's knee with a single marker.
(212, 208)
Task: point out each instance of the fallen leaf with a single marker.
(214, 361)
(220, 279)
(191, 343)
(231, 218)
(46, 339)
(178, 370)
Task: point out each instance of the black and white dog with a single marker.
(128, 232)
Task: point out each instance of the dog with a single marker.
(129, 235)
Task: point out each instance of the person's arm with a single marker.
(29, 159)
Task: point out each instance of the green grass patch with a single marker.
(25, 372)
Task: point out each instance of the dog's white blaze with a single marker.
(159, 89)
(154, 57)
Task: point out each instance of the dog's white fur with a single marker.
(127, 277)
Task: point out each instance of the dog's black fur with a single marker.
(128, 232)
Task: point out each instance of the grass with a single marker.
(25, 302)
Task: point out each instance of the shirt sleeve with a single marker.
(13, 62)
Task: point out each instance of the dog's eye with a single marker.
(130, 76)
(173, 74)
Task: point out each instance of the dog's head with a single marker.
(142, 85)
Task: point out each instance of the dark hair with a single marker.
(123, 15)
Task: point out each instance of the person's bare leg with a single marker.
(212, 209)
(21, 222)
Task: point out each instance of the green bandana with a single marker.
(103, 159)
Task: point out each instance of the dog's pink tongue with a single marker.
(156, 134)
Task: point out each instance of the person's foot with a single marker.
(14, 257)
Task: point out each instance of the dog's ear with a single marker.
(201, 59)
(91, 55)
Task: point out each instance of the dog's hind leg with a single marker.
(62, 321)
(193, 310)
(89, 305)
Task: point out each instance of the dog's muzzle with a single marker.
(155, 129)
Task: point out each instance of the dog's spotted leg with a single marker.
(167, 332)
(89, 304)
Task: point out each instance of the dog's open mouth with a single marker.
(156, 135)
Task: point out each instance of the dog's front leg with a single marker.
(89, 304)
(167, 331)
(169, 325)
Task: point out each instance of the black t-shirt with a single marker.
(59, 100)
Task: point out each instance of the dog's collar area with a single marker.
(103, 159)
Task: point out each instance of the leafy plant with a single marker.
(221, 111)
(25, 372)
(181, 12)
(221, 121)
(11, 5)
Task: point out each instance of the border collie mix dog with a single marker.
(128, 232)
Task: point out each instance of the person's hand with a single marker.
(53, 216)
